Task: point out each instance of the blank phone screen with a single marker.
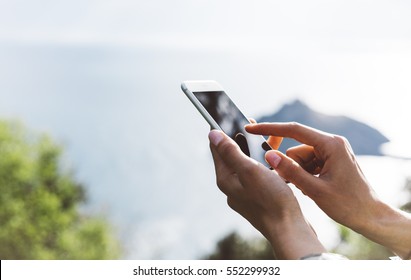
(232, 121)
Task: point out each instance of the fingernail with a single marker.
(273, 159)
(215, 137)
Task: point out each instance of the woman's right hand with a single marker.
(325, 169)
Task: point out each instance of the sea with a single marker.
(141, 149)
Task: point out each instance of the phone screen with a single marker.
(232, 121)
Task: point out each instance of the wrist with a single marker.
(292, 237)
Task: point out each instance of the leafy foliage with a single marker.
(356, 247)
(39, 203)
(234, 247)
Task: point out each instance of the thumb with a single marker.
(291, 171)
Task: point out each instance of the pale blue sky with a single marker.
(327, 52)
(162, 21)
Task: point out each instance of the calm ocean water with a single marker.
(140, 147)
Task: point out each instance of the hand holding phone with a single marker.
(221, 113)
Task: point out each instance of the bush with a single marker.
(39, 203)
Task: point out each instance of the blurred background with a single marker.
(101, 79)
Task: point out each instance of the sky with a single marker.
(197, 21)
(331, 53)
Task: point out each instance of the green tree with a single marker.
(39, 203)
(234, 247)
(356, 247)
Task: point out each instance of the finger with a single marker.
(299, 132)
(229, 151)
(306, 157)
(291, 171)
(226, 178)
(219, 165)
(230, 160)
(275, 142)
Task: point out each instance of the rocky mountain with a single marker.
(364, 139)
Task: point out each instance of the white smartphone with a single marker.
(221, 113)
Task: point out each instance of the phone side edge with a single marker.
(202, 85)
(199, 107)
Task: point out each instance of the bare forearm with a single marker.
(391, 228)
